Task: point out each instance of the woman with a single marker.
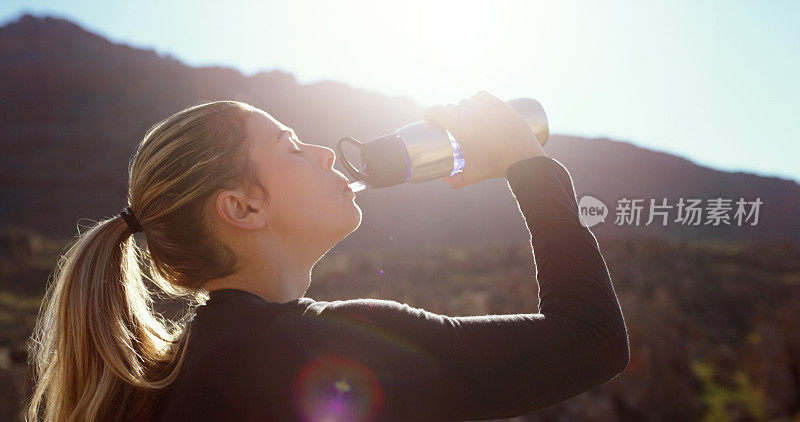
(236, 211)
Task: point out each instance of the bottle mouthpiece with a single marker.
(357, 186)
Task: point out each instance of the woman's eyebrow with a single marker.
(289, 131)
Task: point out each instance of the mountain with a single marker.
(75, 105)
(711, 312)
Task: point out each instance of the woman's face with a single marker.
(308, 198)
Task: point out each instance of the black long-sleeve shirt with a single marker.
(370, 359)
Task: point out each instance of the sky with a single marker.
(713, 81)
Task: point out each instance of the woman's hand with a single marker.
(491, 134)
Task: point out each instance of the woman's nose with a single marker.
(328, 157)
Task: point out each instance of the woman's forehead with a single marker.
(265, 127)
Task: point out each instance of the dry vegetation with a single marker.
(713, 325)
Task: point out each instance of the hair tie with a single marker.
(130, 220)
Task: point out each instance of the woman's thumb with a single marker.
(455, 181)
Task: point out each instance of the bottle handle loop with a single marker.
(354, 172)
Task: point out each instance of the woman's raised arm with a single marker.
(425, 366)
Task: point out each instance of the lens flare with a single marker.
(332, 389)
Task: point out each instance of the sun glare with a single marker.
(433, 48)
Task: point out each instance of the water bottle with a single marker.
(423, 151)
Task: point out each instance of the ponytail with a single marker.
(99, 352)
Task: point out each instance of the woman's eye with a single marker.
(295, 149)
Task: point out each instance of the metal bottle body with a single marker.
(434, 153)
(431, 151)
(423, 151)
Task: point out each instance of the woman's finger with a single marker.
(505, 113)
(494, 114)
(459, 126)
(480, 122)
(472, 109)
(441, 115)
(484, 95)
(472, 123)
(502, 108)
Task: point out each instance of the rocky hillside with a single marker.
(75, 105)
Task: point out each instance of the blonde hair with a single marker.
(99, 350)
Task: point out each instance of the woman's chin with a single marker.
(357, 216)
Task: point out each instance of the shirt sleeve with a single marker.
(411, 364)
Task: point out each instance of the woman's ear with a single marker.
(237, 209)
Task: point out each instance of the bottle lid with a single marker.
(384, 160)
